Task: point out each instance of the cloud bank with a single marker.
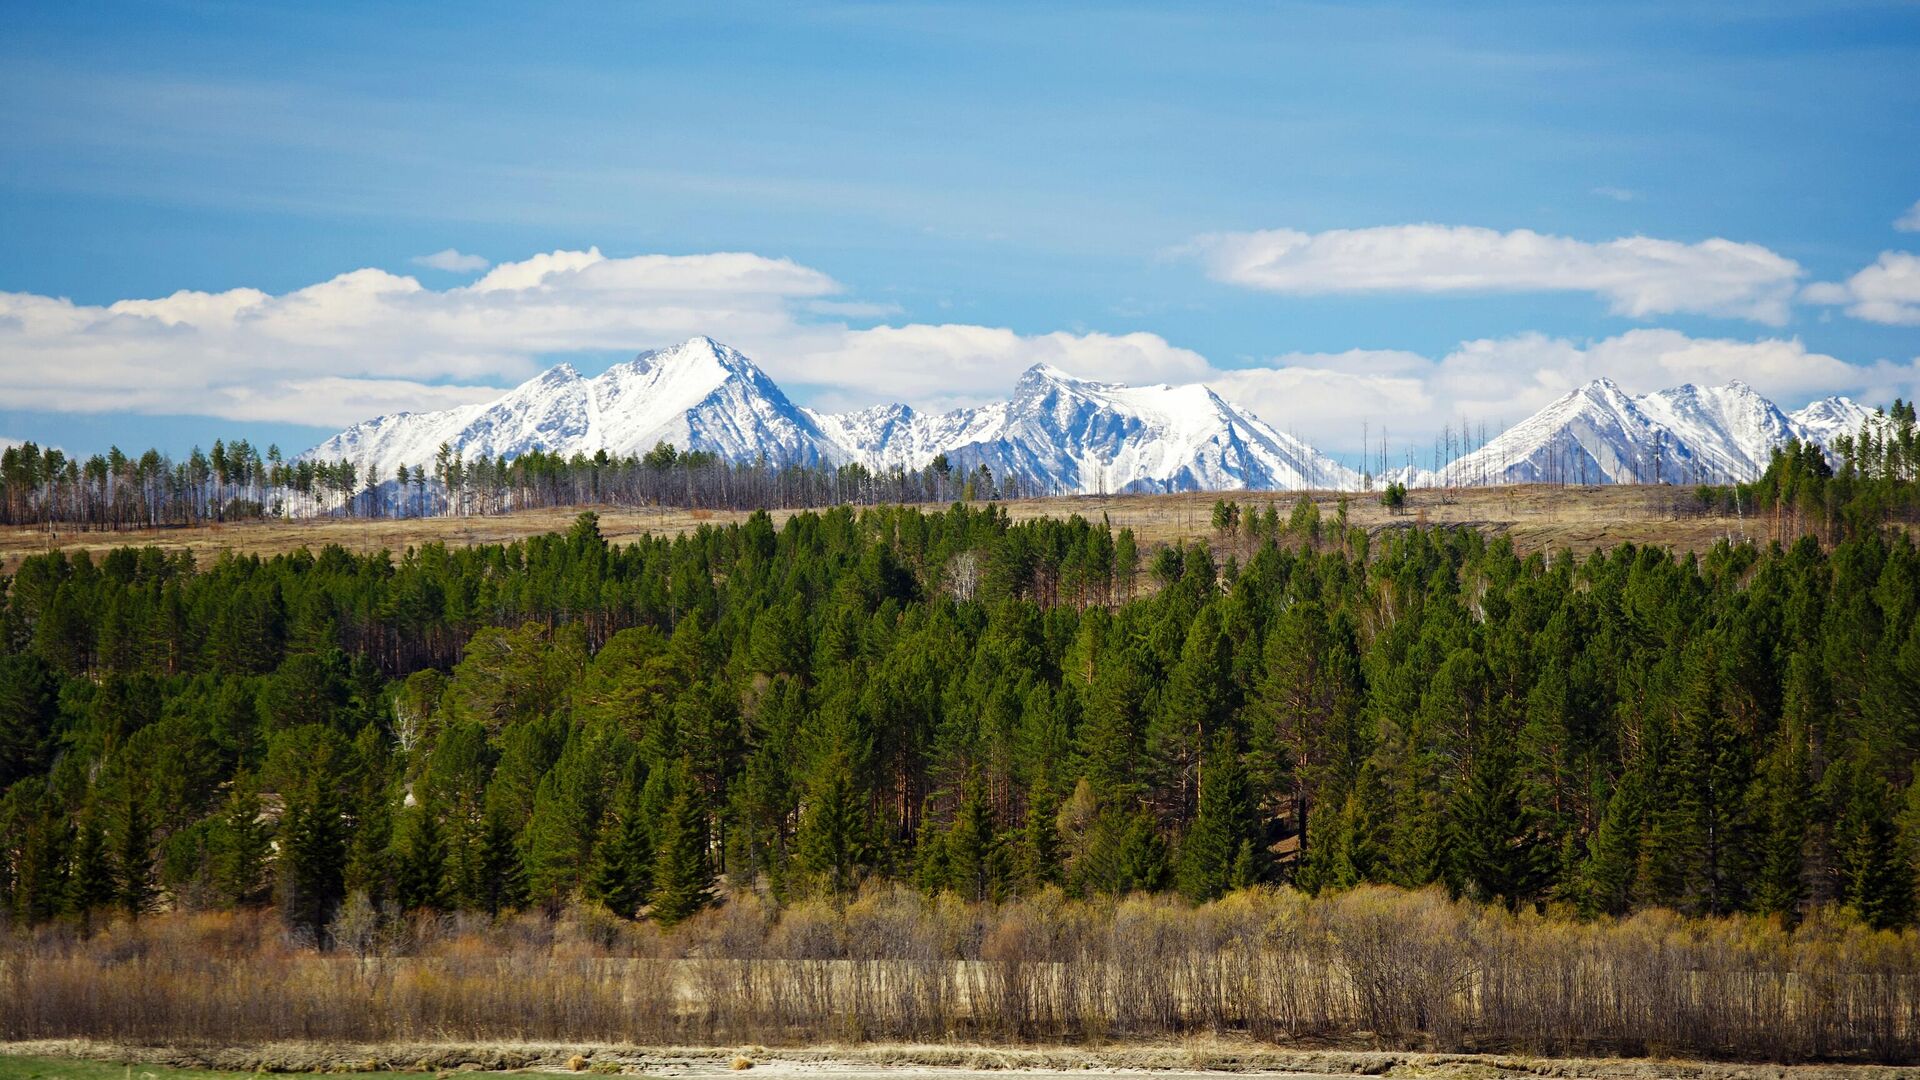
(1909, 221)
(1637, 276)
(1886, 292)
(1326, 397)
(371, 342)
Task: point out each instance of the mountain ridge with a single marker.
(1060, 433)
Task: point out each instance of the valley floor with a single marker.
(1537, 517)
(84, 1060)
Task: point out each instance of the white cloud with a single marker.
(327, 353)
(1638, 275)
(369, 342)
(1909, 221)
(1617, 194)
(1886, 292)
(452, 261)
(938, 366)
(1325, 398)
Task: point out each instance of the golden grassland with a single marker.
(1536, 517)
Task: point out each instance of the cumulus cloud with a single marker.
(369, 339)
(1886, 292)
(937, 366)
(1325, 398)
(1638, 275)
(452, 261)
(369, 342)
(1909, 221)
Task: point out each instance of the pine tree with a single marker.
(134, 858)
(91, 886)
(1497, 855)
(239, 848)
(832, 837)
(421, 867)
(1223, 840)
(622, 875)
(500, 880)
(682, 869)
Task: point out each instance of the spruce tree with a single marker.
(972, 848)
(832, 837)
(682, 869)
(420, 874)
(91, 886)
(1221, 843)
(622, 875)
(1040, 848)
(239, 848)
(133, 861)
(1497, 855)
(500, 880)
(1877, 875)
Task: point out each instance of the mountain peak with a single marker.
(1048, 373)
(558, 375)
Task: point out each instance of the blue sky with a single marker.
(937, 195)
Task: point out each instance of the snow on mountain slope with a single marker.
(897, 436)
(699, 395)
(1059, 433)
(1830, 417)
(1731, 430)
(1062, 433)
(1596, 434)
(1689, 434)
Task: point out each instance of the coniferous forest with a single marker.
(865, 708)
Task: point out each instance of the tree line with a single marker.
(1804, 491)
(235, 481)
(967, 705)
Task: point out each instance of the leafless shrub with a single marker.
(1372, 965)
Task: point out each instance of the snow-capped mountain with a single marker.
(1830, 417)
(1083, 436)
(1057, 433)
(897, 436)
(1730, 430)
(1599, 434)
(699, 395)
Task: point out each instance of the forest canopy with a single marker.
(962, 704)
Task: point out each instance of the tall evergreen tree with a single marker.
(1222, 847)
(682, 871)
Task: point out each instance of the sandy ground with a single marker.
(1193, 1058)
(1536, 517)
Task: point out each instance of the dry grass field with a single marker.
(1535, 517)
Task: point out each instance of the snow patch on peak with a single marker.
(1831, 417)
